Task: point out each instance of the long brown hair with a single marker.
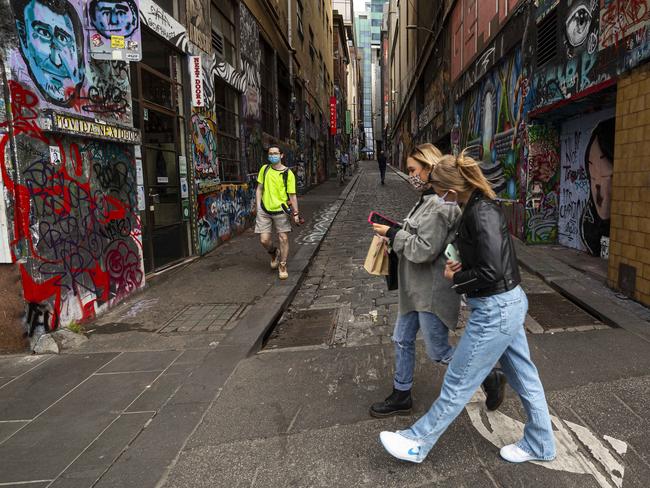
(426, 154)
(461, 174)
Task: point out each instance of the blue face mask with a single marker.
(274, 158)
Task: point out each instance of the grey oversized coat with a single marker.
(420, 245)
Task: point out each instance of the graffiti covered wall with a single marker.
(75, 232)
(542, 185)
(491, 118)
(71, 204)
(492, 126)
(51, 59)
(224, 213)
(601, 40)
(587, 158)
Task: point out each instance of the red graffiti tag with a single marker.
(620, 19)
(63, 224)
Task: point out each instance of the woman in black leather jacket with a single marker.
(489, 276)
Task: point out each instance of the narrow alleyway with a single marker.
(296, 413)
(166, 392)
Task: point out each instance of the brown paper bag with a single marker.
(377, 257)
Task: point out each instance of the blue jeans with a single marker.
(436, 340)
(495, 332)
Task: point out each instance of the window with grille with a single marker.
(547, 34)
(228, 141)
(223, 30)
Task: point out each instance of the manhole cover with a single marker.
(303, 328)
(553, 311)
(203, 317)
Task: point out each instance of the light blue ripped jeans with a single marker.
(436, 341)
(495, 332)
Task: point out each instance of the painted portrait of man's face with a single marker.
(114, 17)
(51, 44)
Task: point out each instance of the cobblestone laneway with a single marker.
(363, 310)
(336, 278)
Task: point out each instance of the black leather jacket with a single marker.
(486, 249)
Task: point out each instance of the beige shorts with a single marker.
(264, 223)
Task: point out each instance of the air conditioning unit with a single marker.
(218, 43)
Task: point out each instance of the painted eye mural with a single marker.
(578, 24)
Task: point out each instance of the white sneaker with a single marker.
(515, 454)
(400, 447)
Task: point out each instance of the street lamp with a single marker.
(417, 27)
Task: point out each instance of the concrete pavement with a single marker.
(296, 413)
(116, 411)
(165, 393)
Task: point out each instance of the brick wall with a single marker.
(630, 220)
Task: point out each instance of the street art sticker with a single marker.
(52, 60)
(250, 56)
(620, 18)
(163, 24)
(75, 231)
(224, 213)
(542, 186)
(587, 159)
(114, 30)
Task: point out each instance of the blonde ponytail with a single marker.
(472, 173)
(426, 154)
(461, 174)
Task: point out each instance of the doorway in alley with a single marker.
(157, 111)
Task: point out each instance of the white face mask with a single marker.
(445, 202)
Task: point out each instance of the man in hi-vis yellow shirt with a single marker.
(276, 205)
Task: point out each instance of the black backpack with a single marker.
(285, 178)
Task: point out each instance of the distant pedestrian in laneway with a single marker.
(276, 205)
(489, 275)
(381, 160)
(426, 301)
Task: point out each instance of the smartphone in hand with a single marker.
(451, 253)
(377, 218)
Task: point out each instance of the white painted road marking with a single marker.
(502, 430)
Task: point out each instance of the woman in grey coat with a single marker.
(426, 301)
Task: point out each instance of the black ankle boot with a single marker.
(494, 386)
(398, 403)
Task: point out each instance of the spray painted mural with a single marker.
(250, 57)
(587, 161)
(491, 118)
(204, 131)
(52, 60)
(542, 154)
(224, 214)
(75, 233)
(602, 39)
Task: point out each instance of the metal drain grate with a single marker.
(553, 311)
(203, 317)
(303, 328)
